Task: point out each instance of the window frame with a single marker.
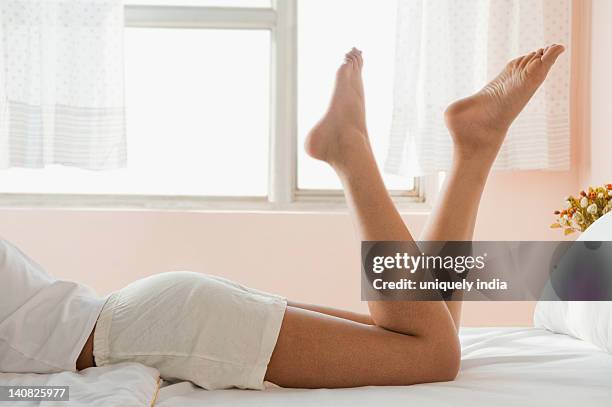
(283, 192)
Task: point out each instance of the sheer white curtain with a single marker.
(61, 83)
(448, 49)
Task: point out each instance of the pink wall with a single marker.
(600, 147)
(314, 257)
(306, 257)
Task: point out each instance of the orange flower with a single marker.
(582, 211)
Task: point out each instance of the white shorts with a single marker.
(207, 330)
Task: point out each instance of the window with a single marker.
(184, 88)
(212, 95)
(323, 38)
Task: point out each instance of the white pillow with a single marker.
(589, 321)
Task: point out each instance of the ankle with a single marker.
(477, 154)
(474, 165)
(352, 153)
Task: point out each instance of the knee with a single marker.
(446, 360)
(438, 361)
(432, 361)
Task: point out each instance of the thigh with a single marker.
(352, 316)
(315, 350)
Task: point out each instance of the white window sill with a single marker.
(413, 205)
(415, 202)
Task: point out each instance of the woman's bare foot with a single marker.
(480, 122)
(342, 133)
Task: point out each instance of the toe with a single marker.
(348, 59)
(359, 59)
(551, 54)
(354, 59)
(526, 60)
(345, 68)
(541, 64)
(515, 62)
(534, 59)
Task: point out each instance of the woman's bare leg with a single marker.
(478, 126)
(334, 312)
(409, 342)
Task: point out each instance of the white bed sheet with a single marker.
(121, 385)
(501, 367)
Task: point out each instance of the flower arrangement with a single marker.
(583, 211)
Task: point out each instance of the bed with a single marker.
(125, 385)
(501, 367)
